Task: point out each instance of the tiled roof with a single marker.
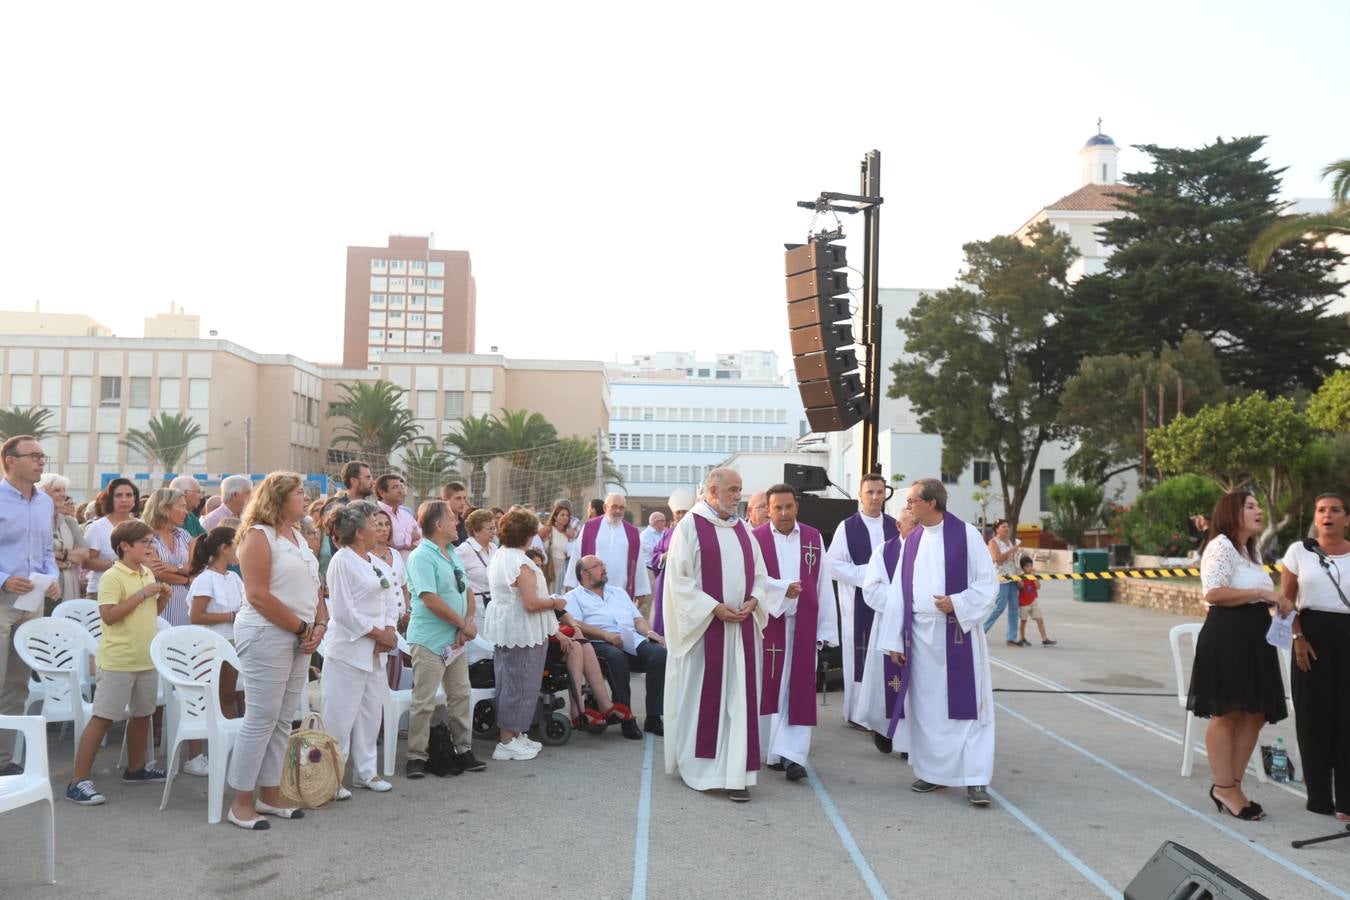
(1093, 198)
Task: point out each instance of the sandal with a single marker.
(619, 711)
(1252, 812)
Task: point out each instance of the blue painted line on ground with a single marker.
(846, 837)
(1203, 817)
(1064, 853)
(644, 822)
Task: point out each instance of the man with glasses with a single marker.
(856, 538)
(945, 586)
(25, 548)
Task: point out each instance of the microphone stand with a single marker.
(1318, 840)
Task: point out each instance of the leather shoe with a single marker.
(630, 730)
(777, 767)
(923, 787)
(653, 725)
(795, 771)
(978, 795)
(739, 796)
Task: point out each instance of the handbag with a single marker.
(312, 771)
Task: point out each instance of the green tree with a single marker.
(985, 363)
(377, 421)
(1251, 443)
(1180, 264)
(425, 468)
(1315, 226)
(1329, 407)
(165, 441)
(32, 421)
(519, 434)
(1157, 522)
(475, 445)
(1100, 407)
(1074, 509)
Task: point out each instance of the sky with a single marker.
(624, 175)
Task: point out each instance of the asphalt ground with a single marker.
(1086, 789)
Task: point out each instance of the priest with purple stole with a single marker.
(856, 538)
(714, 615)
(618, 544)
(945, 587)
(881, 678)
(680, 502)
(799, 623)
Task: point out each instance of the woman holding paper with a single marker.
(1235, 679)
(1313, 573)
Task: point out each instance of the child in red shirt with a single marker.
(1027, 591)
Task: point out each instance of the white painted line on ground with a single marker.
(644, 822)
(1064, 853)
(846, 837)
(1209, 820)
(1128, 717)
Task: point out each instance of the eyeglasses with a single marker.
(35, 456)
(910, 501)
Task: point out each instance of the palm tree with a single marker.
(165, 440)
(519, 433)
(377, 421)
(1317, 226)
(576, 468)
(475, 444)
(31, 421)
(425, 468)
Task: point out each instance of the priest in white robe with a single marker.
(619, 545)
(881, 678)
(942, 592)
(799, 624)
(714, 616)
(856, 538)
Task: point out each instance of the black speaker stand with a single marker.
(1318, 840)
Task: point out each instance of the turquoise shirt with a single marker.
(431, 572)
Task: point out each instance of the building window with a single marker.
(426, 404)
(646, 473)
(51, 391)
(435, 304)
(377, 301)
(398, 266)
(660, 442)
(613, 440)
(415, 301)
(782, 416)
(79, 390)
(418, 286)
(435, 286)
(110, 391)
(379, 283)
(704, 373)
(21, 390)
(395, 301)
(376, 336)
(395, 338)
(950, 478)
(416, 319)
(454, 405)
(697, 443)
(415, 338)
(434, 339)
(684, 442)
(77, 448)
(982, 471)
(434, 321)
(139, 396)
(170, 390)
(395, 318)
(623, 441)
(312, 412)
(379, 265)
(107, 449)
(376, 318)
(419, 266)
(199, 393)
(482, 402)
(398, 285)
(1047, 479)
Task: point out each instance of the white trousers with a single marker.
(353, 704)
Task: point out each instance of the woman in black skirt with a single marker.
(1321, 669)
(1235, 680)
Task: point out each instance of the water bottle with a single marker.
(1279, 762)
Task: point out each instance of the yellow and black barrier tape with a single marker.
(1181, 572)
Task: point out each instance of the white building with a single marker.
(668, 434)
(673, 365)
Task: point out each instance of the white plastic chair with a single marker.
(34, 785)
(189, 657)
(58, 650)
(1287, 679)
(1175, 636)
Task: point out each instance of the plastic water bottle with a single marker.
(1279, 762)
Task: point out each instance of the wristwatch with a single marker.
(304, 626)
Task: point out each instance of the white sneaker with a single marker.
(525, 740)
(342, 794)
(197, 766)
(376, 784)
(513, 750)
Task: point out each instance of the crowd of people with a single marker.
(724, 616)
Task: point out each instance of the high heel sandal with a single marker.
(589, 716)
(1252, 812)
(618, 713)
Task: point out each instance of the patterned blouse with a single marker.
(177, 612)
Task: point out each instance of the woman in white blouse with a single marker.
(475, 554)
(1235, 679)
(364, 620)
(390, 561)
(518, 622)
(1321, 675)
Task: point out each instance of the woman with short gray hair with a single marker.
(364, 628)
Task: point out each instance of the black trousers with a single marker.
(1322, 711)
(650, 658)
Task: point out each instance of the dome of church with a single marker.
(1099, 139)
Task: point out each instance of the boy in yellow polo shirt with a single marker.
(129, 600)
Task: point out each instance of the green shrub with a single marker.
(1157, 522)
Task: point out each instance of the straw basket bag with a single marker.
(312, 771)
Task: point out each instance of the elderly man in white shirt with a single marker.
(622, 637)
(617, 543)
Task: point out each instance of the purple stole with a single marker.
(802, 688)
(860, 550)
(710, 695)
(961, 699)
(591, 529)
(658, 587)
(890, 672)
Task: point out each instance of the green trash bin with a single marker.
(1092, 561)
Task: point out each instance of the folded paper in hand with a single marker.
(1281, 631)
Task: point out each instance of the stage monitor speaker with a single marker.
(805, 257)
(806, 478)
(815, 338)
(815, 310)
(826, 364)
(1175, 871)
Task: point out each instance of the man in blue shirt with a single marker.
(622, 638)
(25, 548)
